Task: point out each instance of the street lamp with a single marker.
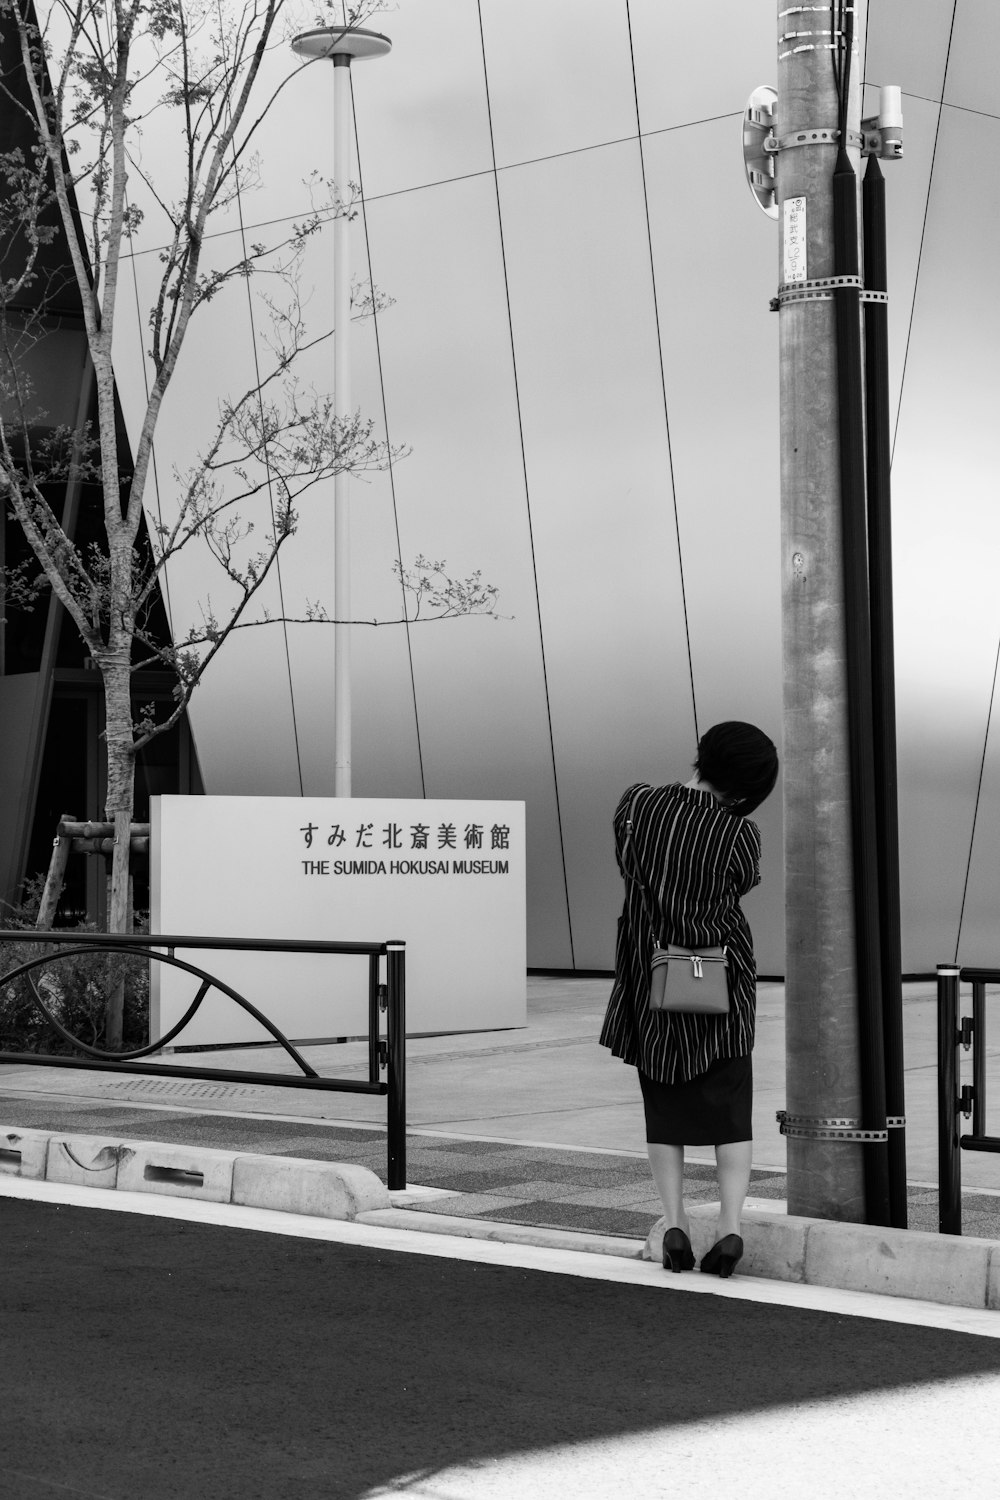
(341, 45)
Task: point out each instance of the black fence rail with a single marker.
(955, 1100)
(386, 1053)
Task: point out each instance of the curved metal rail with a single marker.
(386, 1054)
(209, 981)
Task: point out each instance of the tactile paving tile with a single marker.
(161, 1088)
(613, 1221)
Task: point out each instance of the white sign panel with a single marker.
(793, 239)
(445, 877)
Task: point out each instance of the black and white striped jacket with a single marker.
(697, 860)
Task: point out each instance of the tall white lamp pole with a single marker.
(341, 46)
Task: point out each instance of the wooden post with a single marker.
(92, 838)
(55, 879)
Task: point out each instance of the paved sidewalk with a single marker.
(534, 1127)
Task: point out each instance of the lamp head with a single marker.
(350, 42)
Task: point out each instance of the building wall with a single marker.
(581, 359)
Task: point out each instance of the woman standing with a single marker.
(691, 854)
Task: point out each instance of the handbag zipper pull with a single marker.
(696, 960)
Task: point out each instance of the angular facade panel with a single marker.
(421, 112)
(947, 539)
(560, 77)
(973, 82)
(599, 486)
(978, 925)
(719, 350)
(217, 364)
(450, 392)
(696, 64)
(907, 43)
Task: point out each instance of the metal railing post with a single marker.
(373, 1018)
(979, 1057)
(949, 1147)
(396, 1039)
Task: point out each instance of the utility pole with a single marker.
(825, 632)
(845, 1114)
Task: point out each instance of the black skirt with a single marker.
(709, 1110)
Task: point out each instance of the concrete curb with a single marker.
(956, 1270)
(321, 1189)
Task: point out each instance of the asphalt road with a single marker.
(151, 1357)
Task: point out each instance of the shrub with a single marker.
(75, 990)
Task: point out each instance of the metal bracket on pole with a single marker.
(810, 1128)
(823, 289)
(826, 135)
(801, 10)
(882, 140)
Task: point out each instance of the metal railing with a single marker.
(955, 1100)
(385, 1053)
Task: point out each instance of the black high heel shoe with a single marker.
(677, 1252)
(722, 1257)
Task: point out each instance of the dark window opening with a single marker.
(72, 781)
(63, 788)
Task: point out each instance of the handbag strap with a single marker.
(641, 879)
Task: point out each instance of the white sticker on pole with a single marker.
(793, 240)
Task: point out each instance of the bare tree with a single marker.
(90, 73)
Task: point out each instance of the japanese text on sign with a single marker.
(794, 240)
(437, 840)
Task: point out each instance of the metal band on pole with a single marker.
(810, 137)
(821, 289)
(811, 1128)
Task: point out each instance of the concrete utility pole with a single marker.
(826, 1166)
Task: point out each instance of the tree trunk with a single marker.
(118, 809)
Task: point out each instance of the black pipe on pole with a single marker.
(847, 303)
(884, 677)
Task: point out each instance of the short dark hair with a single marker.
(740, 762)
